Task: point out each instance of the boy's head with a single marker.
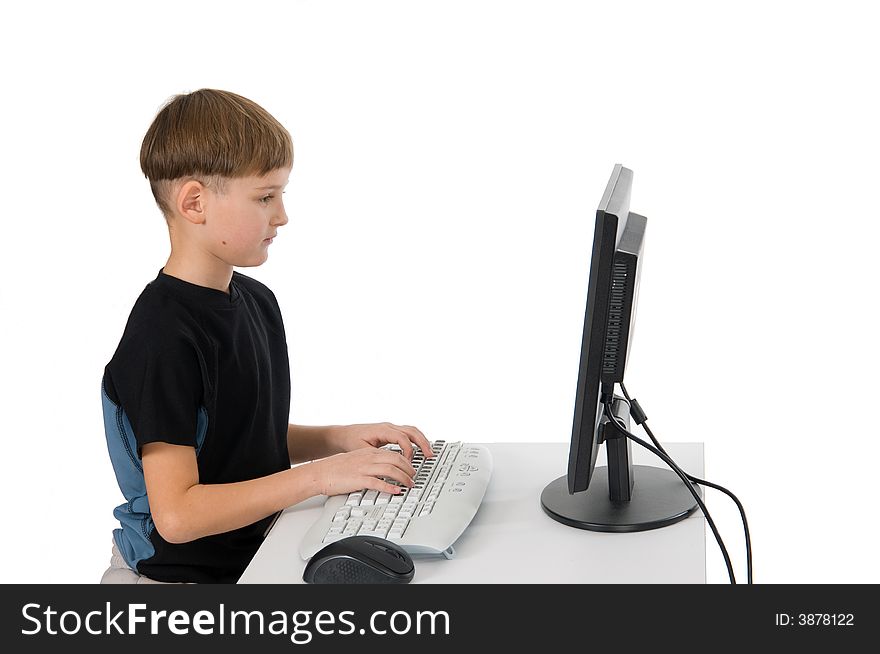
(217, 163)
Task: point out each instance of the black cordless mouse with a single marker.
(360, 560)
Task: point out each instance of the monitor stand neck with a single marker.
(618, 449)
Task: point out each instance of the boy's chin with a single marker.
(250, 262)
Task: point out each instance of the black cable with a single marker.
(666, 459)
(702, 482)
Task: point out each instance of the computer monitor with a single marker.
(619, 497)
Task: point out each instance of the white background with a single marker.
(449, 158)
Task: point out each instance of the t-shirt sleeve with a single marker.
(158, 382)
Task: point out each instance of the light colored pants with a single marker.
(120, 573)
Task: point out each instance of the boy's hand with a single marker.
(354, 437)
(359, 469)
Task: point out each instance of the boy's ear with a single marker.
(191, 201)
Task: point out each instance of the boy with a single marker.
(196, 398)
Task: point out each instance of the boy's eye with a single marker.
(265, 199)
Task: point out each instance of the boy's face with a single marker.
(240, 222)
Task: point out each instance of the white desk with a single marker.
(512, 540)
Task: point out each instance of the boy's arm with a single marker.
(183, 509)
(312, 443)
(309, 443)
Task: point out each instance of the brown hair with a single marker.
(214, 135)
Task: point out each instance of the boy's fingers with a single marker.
(416, 436)
(382, 485)
(403, 441)
(392, 471)
(390, 458)
(407, 467)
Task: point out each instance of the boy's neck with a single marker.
(215, 275)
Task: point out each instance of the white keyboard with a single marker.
(425, 519)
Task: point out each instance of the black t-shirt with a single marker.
(199, 367)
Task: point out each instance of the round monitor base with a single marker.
(659, 499)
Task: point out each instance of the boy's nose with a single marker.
(280, 218)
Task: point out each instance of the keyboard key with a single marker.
(369, 497)
(407, 510)
(334, 533)
(354, 499)
(351, 528)
(397, 529)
